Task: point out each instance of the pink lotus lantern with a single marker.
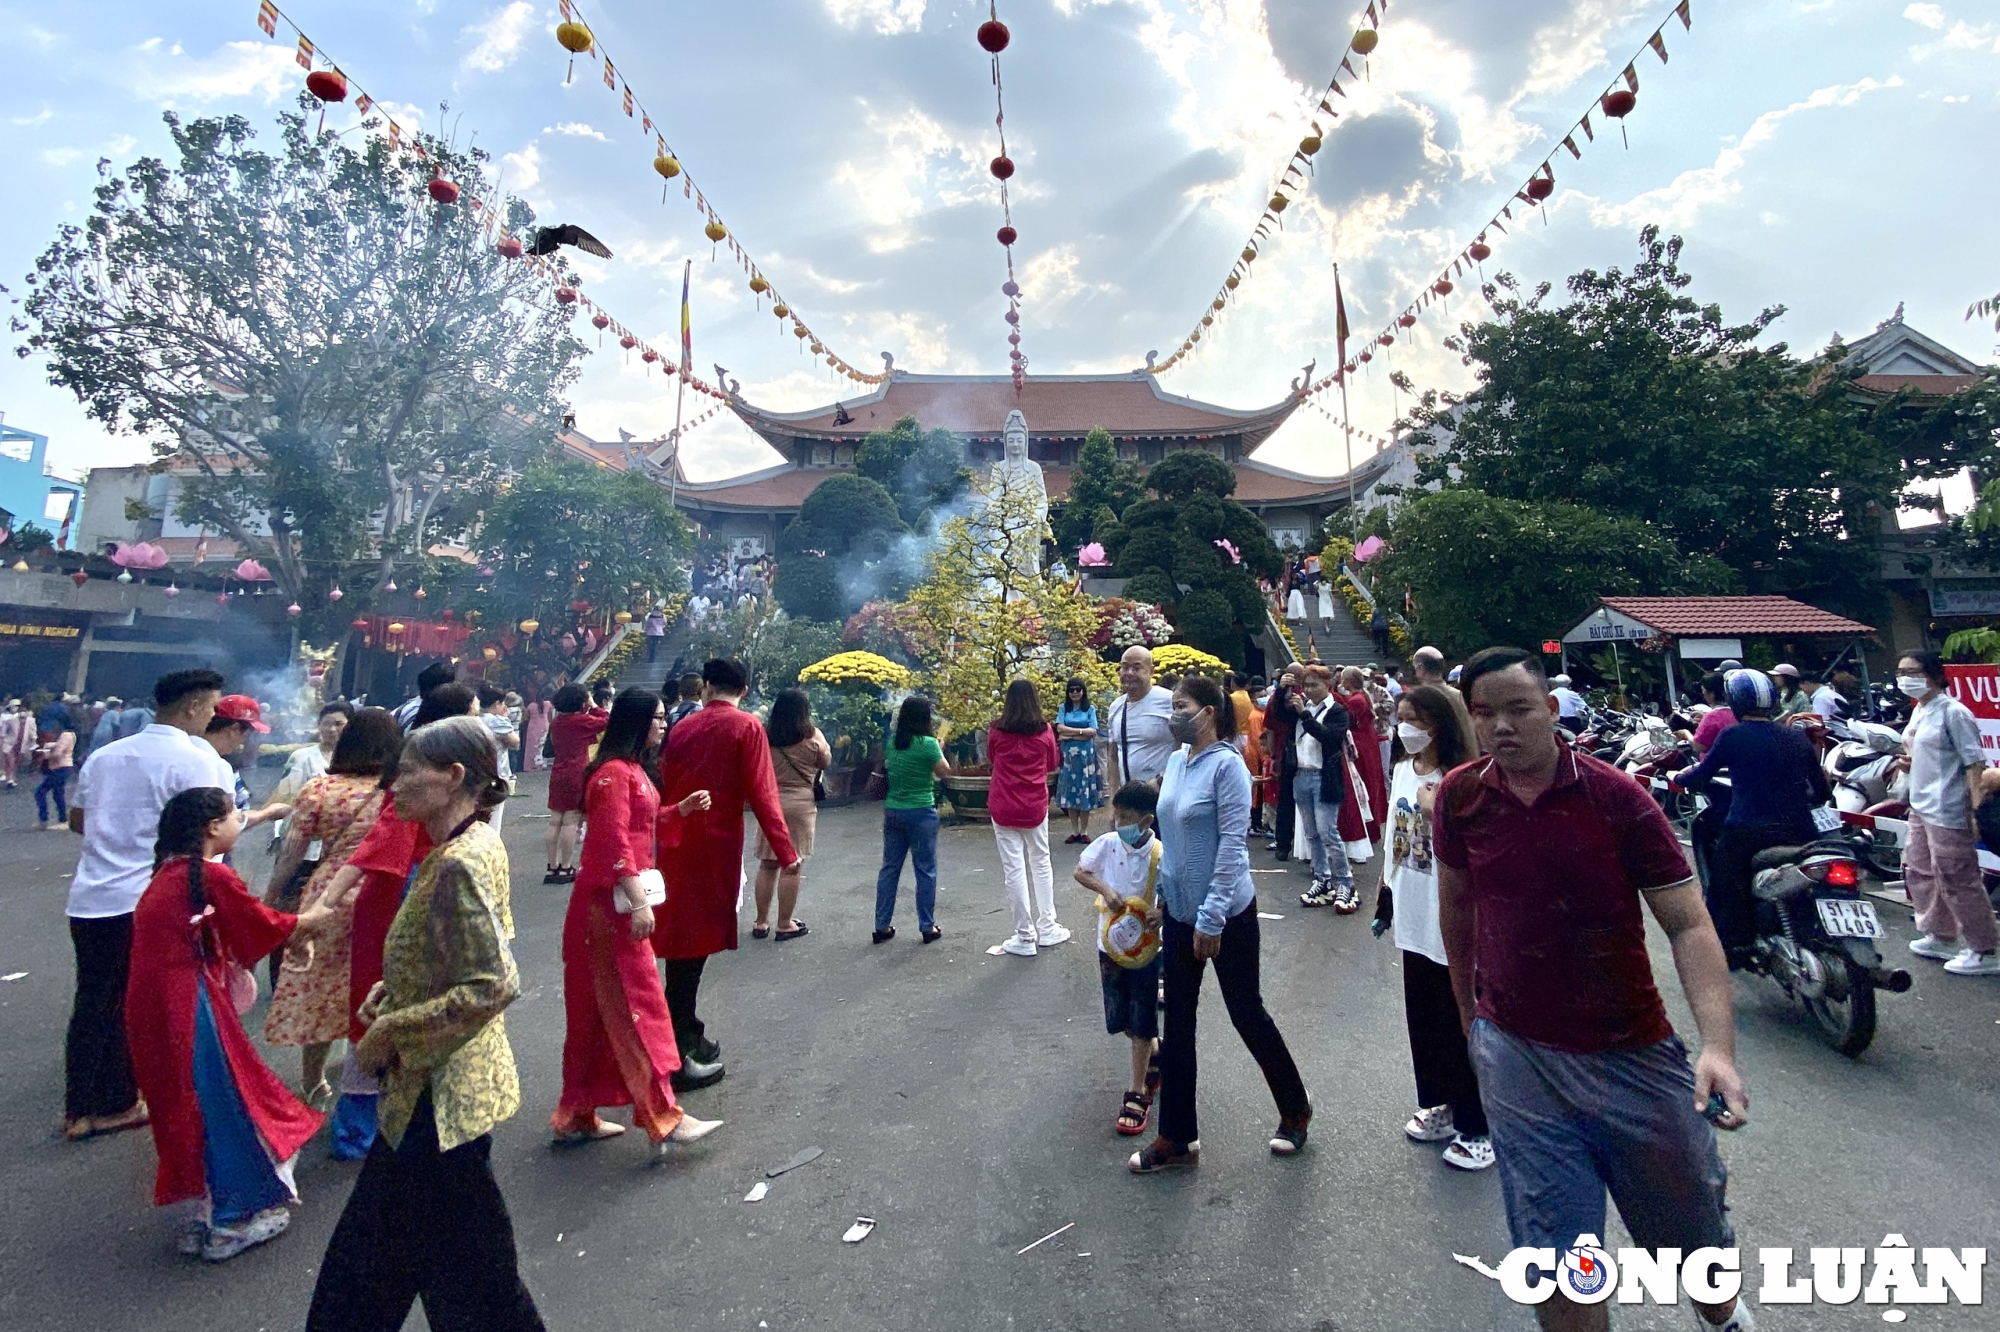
(1092, 556)
(1228, 547)
(252, 572)
(139, 555)
(1369, 549)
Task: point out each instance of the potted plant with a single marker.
(850, 698)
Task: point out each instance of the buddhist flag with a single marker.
(1632, 75)
(305, 56)
(267, 17)
(1339, 320)
(1569, 142)
(610, 75)
(687, 324)
(1659, 45)
(362, 103)
(1681, 13)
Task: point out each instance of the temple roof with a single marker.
(1130, 406)
(1896, 357)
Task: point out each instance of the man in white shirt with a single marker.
(1569, 704)
(119, 796)
(1830, 699)
(1941, 861)
(1141, 740)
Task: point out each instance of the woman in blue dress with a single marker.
(1080, 782)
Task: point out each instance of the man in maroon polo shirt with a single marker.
(1544, 857)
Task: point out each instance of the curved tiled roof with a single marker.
(1734, 617)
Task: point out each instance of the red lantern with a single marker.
(1479, 251)
(1010, 288)
(329, 85)
(1012, 317)
(360, 624)
(1541, 187)
(1408, 321)
(628, 342)
(1617, 105)
(565, 295)
(600, 321)
(442, 190)
(1367, 356)
(79, 578)
(1007, 235)
(993, 36)
(649, 356)
(1387, 338)
(510, 247)
(1442, 286)
(580, 607)
(1002, 168)
(448, 613)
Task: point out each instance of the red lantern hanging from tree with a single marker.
(443, 190)
(565, 295)
(510, 247)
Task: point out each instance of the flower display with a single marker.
(1180, 659)
(1123, 623)
(863, 668)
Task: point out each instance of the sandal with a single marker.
(760, 931)
(886, 934)
(783, 935)
(1132, 1117)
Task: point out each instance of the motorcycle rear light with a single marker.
(1832, 872)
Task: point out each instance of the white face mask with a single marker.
(1415, 738)
(1916, 686)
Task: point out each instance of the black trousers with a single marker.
(423, 1224)
(1728, 889)
(1287, 811)
(1437, 1045)
(1236, 972)
(683, 986)
(97, 1063)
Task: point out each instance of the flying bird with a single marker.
(548, 238)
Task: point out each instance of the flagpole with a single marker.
(680, 393)
(1346, 425)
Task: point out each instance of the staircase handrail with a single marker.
(596, 663)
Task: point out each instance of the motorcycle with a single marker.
(1861, 766)
(1815, 932)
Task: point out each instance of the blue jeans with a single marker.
(53, 783)
(911, 832)
(1320, 823)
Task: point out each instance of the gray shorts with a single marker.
(1567, 1127)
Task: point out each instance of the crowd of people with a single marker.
(388, 921)
(730, 582)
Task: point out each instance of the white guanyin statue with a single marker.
(1018, 478)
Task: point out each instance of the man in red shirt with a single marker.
(1544, 857)
(725, 752)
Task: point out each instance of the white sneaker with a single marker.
(225, 1242)
(1469, 1153)
(1738, 1321)
(1938, 950)
(1019, 947)
(1969, 963)
(1430, 1124)
(1052, 936)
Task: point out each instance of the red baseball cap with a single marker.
(242, 708)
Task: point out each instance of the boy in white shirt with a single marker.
(1121, 867)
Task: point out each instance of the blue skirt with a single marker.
(242, 1178)
(1080, 783)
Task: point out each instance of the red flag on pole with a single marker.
(1339, 321)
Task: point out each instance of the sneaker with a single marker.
(1347, 898)
(1739, 1320)
(1970, 963)
(1053, 935)
(1319, 895)
(1938, 950)
(225, 1242)
(1290, 1139)
(1160, 1155)
(1469, 1153)
(1430, 1124)
(1019, 947)
(693, 1076)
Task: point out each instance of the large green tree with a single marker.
(572, 531)
(839, 551)
(1487, 570)
(1632, 398)
(350, 367)
(1167, 549)
(1100, 489)
(921, 468)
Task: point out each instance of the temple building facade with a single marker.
(1146, 422)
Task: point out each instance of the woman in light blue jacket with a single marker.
(1211, 913)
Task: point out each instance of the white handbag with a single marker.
(655, 886)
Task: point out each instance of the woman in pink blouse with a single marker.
(1022, 749)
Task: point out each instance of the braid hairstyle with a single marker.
(184, 832)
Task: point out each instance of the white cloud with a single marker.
(916, 162)
(1054, 277)
(575, 129)
(1676, 205)
(524, 168)
(61, 157)
(498, 37)
(236, 69)
(887, 17)
(1925, 15)
(120, 145)
(39, 118)
(1572, 46)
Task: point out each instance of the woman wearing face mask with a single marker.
(1433, 736)
(1211, 914)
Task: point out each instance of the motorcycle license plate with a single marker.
(1826, 818)
(1845, 919)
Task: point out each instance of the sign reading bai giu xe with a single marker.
(1605, 625)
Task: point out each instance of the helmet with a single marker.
(1749, 691)
(1786, 669)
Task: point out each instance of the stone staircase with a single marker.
(1337, 642)
(653, 675)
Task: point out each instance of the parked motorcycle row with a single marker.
(1816, 931)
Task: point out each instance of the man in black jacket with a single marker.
(1319, 750)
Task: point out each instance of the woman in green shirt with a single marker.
(910, 819)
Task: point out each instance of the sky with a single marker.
(1830, 156)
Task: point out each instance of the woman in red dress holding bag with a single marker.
(619, 1048)
(226, 1127)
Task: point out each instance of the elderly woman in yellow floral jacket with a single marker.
(426, 1218)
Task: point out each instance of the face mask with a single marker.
(1181, 725)
(1916, 686)
(1133, 834)
(1415, 738)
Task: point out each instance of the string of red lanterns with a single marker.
(576, 37)
(331, 85)
(993, 39)
(1616, 102)
(1290, 180)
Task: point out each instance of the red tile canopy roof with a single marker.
(1734, 617)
